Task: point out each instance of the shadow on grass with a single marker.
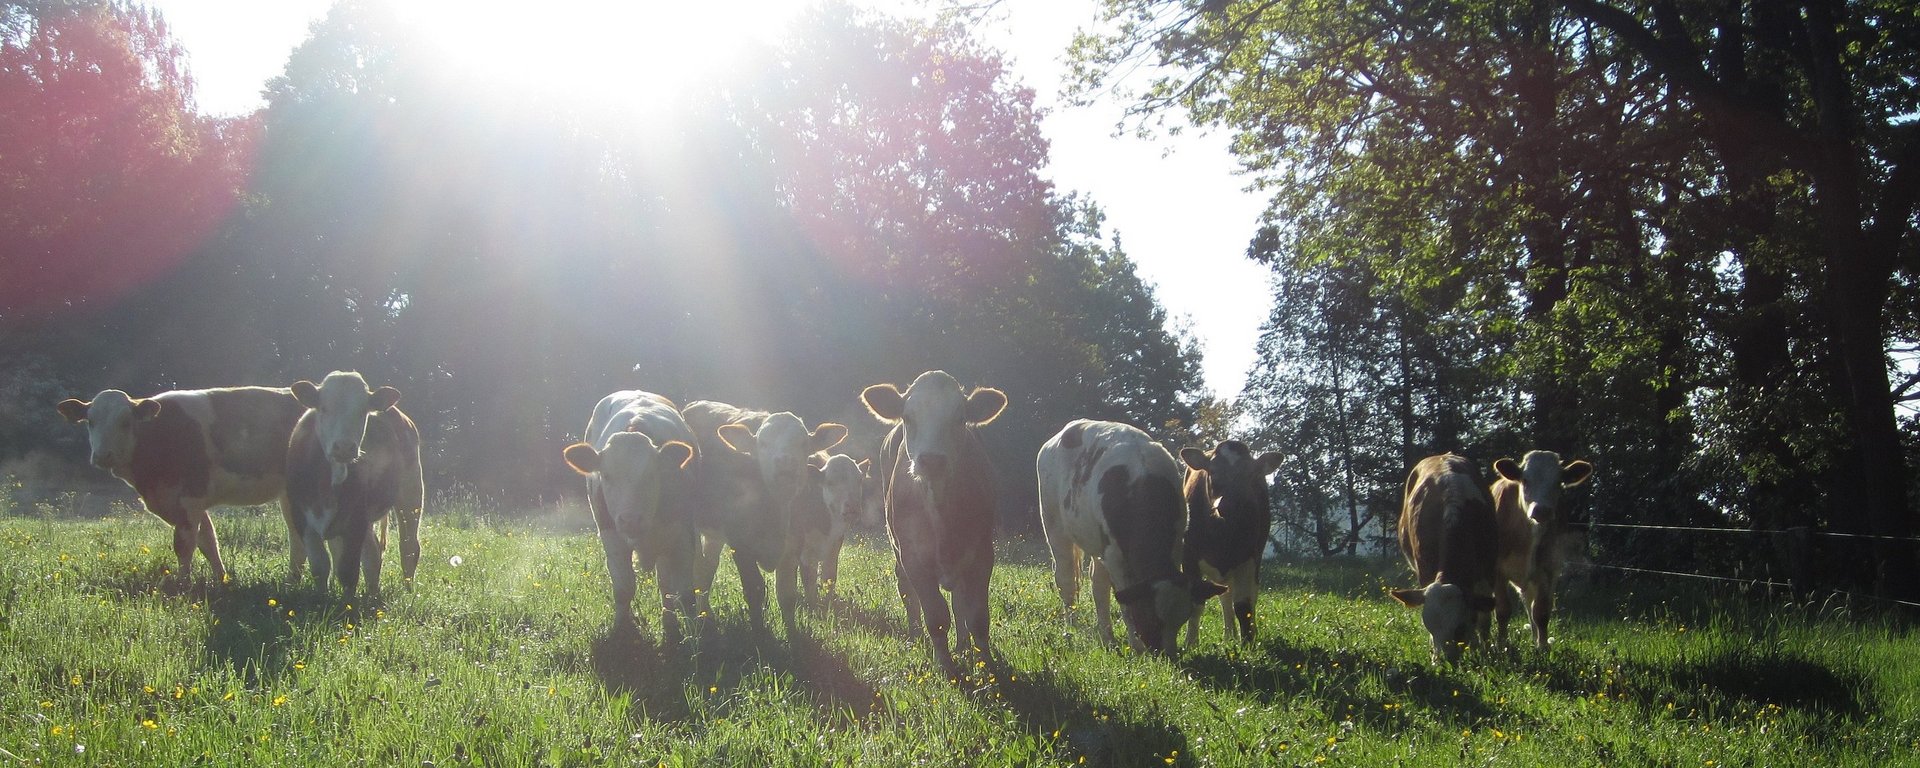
(1051, 710)
(659, 679)
(1722, 684)
(1277, 672)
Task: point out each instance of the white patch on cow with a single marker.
(1448, 619)
(631, 469)
(843, 488)
(110, 423)
(343, 406)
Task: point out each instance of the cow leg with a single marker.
(1542, 607)
(676, 569)
(409, 541)
(1102, 597)
(789, 596)
(923, 583)
(373, 554)
(1066, 574)
(810, 580)
(209, 543)
(317, 561)
(620, 572)
(970, 614)
(185, 538)
(1246, 590)
(1504, 598)
(1226, 605)
(830, 567)
(754, 586)
(349, 549)
(708, 569)
(296, 542)
(907, 596)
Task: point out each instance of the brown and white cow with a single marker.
(1448, 535)
(1108, 491)
(635, 458)
(750, 477)
(353, 458)
(187, 451)
(835, 505)
(1228, 521)
(940, 503)
(1527, 508)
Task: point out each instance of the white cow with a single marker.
(1526, 505)
(1108, 491)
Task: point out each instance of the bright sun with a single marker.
(637, 54)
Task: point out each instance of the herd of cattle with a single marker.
(672, 488)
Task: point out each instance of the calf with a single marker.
(1526, 501)
(835, 505)
(939, 503)
(1228, 521)
(750, 477)
(187, 451)
(353, 458)
(1109, 491)
(1448, 536)
(636, 457)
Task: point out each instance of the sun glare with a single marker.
(638, 55)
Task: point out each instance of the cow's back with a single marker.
(1447, 523)
(220, 446)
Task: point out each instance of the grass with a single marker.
(508, 660)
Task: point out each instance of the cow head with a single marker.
(843, 484)
(110, 419)
(632, 470)
(781, 446)
(1449, 614)
(1155, 610)
(1237, 479)
(935, 414)
(1541, 476)
(341, 405)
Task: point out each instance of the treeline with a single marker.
(1675, 237)
(860, 203)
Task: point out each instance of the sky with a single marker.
(1182, 213)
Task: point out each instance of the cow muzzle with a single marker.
(103, 460)
(930, 467)
(343, 453)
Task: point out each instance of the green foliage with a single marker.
(507, 659)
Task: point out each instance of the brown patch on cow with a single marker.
(1142, 514)
(169, 460)
(250, 428)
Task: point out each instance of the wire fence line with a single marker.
(1758, 531)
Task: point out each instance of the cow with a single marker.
(187, 451)
(939, 503)
(835, 505)
(1228, 521)
(1448, 536)
(353, 458)
(1108, 491)
(636, 458)
(751, 476)
(1526, 501)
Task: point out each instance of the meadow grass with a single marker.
(508, 659)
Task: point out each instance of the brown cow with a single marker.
(188, 451)
(353, 458)
(1228, 518)
(834, 505)
(1448, 535)
(940, 509)
(1527, 507)
(751, 475)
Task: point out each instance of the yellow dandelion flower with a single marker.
(279, 700)
(149, 724)
(57, 730)
(75, 680)
(179, 693)
(228, 697)
(271, 602)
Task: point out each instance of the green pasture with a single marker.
(507, 659)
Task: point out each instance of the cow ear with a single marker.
(146, 409)
(1575, 472)
(885, 402)
(1269, 462)
(1202, 590)
(1508, 469)
(583, 458)
(308, 394)
(826, 436)
(74, 410)
(865, 465)
(817, 461)
(737, 437)
(985, 405)
(383, 398)
(1409, 597)
(677, 452)
(1194, 458)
